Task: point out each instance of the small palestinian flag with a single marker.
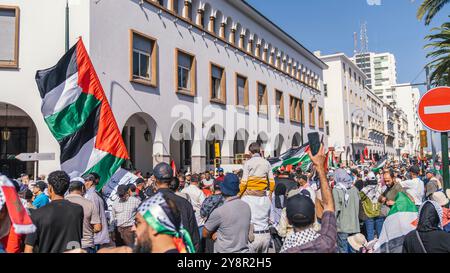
(399, 222)
(380, 165)
(294, 156)
(78, 115)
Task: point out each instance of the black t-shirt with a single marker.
(59, 227)
(187, 216)
(435, 241)
(288, 182)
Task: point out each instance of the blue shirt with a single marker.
(41, 200)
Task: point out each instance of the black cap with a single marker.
(122, 190)
(300, 210)
(163, 172)
(414, 169)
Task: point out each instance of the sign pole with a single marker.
(445, 171)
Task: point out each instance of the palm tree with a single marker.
(440, 65)
(429, 9)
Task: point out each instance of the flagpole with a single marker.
(67, 25)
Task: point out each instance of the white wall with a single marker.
(41, 44)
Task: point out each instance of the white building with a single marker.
(381, 72)
(180, 76)
(348, 109)
(407, 99)
(389, 129)
(375, 122)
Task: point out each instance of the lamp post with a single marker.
(361, 120)
(313, 104)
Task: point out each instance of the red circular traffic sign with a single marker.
(434, 109)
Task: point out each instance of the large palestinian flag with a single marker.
(78, 114)
(293, 156)
(398, 223)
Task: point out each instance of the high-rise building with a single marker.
(381, 72)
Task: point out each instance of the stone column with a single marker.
(258, 50)
(241, 41)
(199, 19)
(170, 5)
(222, 31)
(211, 25)
(264, 55)
(250, 46)
(232, 36)
(198, 164)
(186, 9)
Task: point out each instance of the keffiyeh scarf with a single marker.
(18, 215)
(343, 182)
(297, 239)
(158, 215)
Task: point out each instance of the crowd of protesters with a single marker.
(252, 210)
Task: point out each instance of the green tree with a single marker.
(440, 64)
(429, 9)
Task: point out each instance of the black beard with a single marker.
(143, 247)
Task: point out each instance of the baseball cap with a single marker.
(163, 172)
(220, 170)
(79, 179)
(300, 210)
(230, 185)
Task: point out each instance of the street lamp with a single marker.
(361, 120)
(6, 133)
(313, 104)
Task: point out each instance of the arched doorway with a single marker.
(140, 134)
(18, 134)
(263, 139)
(279, 146)
(296, 140)
(239, 145)
(216, 134)
(181, 139)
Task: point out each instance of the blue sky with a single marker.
(328, 26)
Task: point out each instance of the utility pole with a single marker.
(433, 149)
(444, 144)
(67, 25)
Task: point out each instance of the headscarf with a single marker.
(159, 217)
(280, 192)
(430, 217)
(17, 213)
(343, 182)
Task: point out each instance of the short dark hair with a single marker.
(390, 171)
(132, 187)
(59, 180)
(76, 186)
(95, 175)
(174, 184)
(255, 148)
(90, 177)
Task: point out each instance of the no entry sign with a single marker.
(434, 109)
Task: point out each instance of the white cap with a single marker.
(77, 179)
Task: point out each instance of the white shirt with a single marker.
(197, 197)
(415, 188)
